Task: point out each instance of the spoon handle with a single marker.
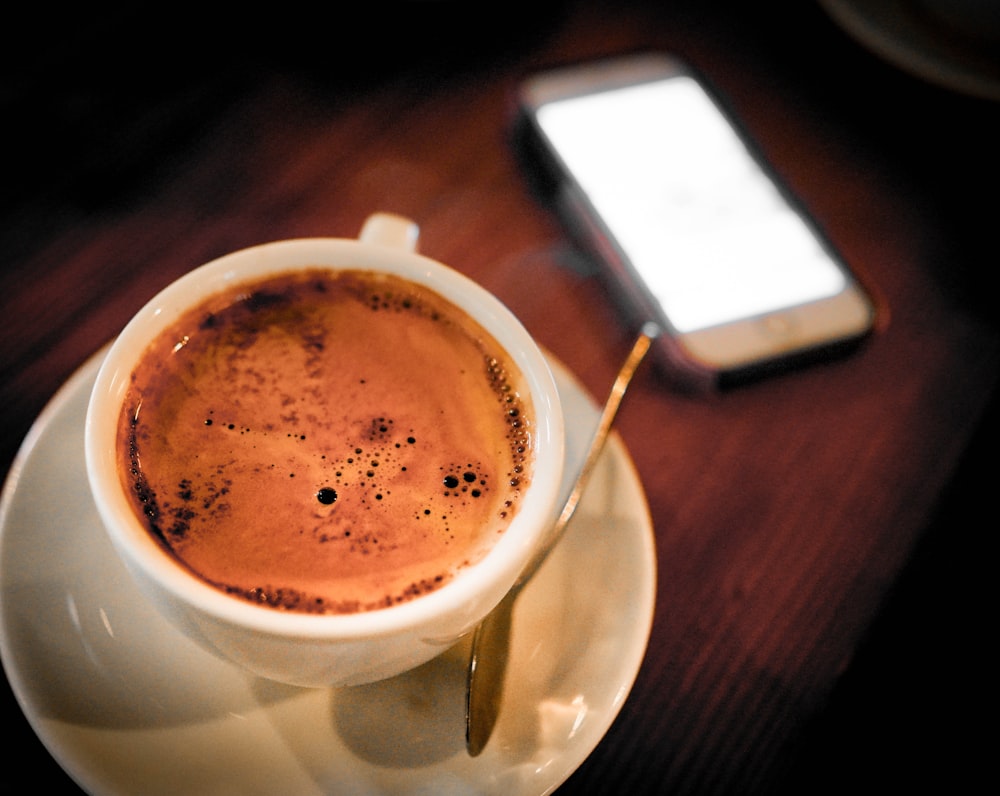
(491, 641)
(649, 333)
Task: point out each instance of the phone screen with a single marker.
(707, 230)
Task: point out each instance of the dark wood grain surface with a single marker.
(789, 513)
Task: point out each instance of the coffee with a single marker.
(324, 441)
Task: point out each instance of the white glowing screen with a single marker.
(695, 214)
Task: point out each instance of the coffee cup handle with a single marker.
(388, 229)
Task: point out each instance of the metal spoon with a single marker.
(491, 640)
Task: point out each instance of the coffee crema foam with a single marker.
(326, 442)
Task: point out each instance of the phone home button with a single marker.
(777, 325)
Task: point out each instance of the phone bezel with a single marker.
(727, 352)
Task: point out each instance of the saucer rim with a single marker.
(893, 32)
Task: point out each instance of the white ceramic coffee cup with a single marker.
(307, 649)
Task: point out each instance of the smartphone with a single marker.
(693, 228)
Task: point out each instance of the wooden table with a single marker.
(787, 513)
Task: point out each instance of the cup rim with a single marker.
(139, 550)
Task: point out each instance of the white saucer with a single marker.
(127, 705)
